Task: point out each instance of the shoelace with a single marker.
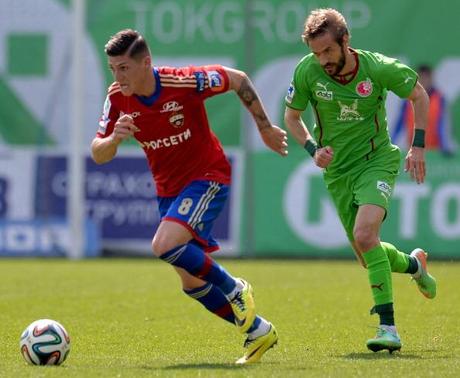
(248, 342)
(238, 301)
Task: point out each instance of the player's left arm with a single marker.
(274, 137)
(415, 159)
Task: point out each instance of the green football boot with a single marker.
(387, 338)
(426, 282)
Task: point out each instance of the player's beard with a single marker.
(333, 69)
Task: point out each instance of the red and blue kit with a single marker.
(174, 130)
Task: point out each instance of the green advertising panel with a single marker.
(294, 215)
(285, 210)
(261, 37)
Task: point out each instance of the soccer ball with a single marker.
(45, 342)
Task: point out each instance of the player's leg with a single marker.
(373, 188)
(209, 295)
(183, 236)
(366, 237)
(400, 262)
(261, 336)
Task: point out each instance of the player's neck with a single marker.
(350, 63)
(148, 85)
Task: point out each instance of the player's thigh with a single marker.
(375, 187)
(169, 235)
(196, 208)
(342, 196)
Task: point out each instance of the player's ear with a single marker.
(345, 40)
(148, 61)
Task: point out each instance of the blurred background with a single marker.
(53, 78)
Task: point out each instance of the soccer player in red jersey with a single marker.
(163, 109)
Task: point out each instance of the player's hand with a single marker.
(415, 164)
(275, 139)
(124, 128)
(323, 156)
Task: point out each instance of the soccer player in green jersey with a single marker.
(347, 89)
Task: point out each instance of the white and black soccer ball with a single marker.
(45, 342)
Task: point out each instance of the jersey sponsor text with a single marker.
(167, 142)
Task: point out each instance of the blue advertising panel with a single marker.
(121, 199)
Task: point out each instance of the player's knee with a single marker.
(161, 245)
(365, 238)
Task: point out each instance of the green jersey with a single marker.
(350, 116)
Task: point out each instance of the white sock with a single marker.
(238, 287)
(262, 329)
(389, 328)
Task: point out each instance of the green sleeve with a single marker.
(298, 94)
(396, 76)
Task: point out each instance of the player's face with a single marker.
(329, 53)
(130, 73)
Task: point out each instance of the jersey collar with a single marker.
(349, 76)
(149, 100)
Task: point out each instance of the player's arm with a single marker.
(415, 159)
(274, 137)
(105, 149)
(296, 126)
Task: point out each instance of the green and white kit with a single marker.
(351, 118)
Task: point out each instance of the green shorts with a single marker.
(371, 182)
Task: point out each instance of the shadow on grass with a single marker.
(228, 366)
(379, 356)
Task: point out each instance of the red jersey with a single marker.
(174, 130)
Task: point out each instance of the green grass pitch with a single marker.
(129, 318)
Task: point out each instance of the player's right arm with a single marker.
(296, 126)
(104, 149)
(297, 99)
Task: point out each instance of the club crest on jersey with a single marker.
(177, 120)
(216, 81)
(364, 88)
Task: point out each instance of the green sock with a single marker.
(379, 272)
(400, 262)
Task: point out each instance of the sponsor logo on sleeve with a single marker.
(290, 93)
(104, 121)
(407, 79)
(200, 81)
(216, 81)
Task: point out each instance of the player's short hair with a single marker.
(127, 41)
(324, 20)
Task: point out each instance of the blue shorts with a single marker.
(196, 207)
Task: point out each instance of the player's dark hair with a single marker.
(127, 41)
(324, 20)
